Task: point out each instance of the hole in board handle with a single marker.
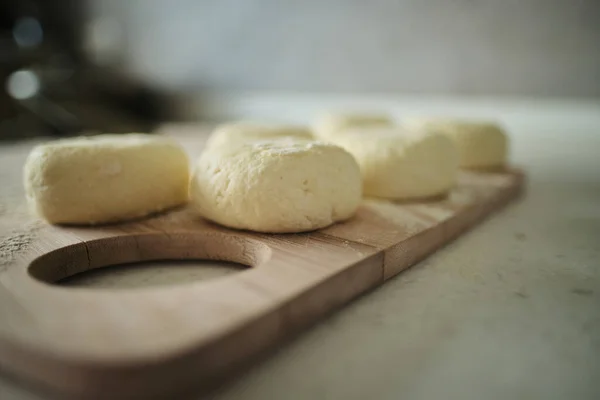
(66, 262)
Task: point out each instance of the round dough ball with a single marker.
(282, 185)
(332, 124)
(481, 145)
(105, 178)
(240, 132)
(400, 164)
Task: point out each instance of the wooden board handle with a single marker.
(83, 256)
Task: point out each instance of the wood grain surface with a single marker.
(156, 341)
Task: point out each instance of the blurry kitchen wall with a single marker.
(524, 48)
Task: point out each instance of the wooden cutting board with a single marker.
(92, 343)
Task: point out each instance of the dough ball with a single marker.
(401, 164)
(332, 124)
(105, 178)
(283, 185)
(481, 145)
(239, 132)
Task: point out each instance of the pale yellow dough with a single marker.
(481, 145)
(401, 164)
(105, 178)
(234, 133)
(282, 185)
(332, 124)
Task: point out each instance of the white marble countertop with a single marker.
(510, 310)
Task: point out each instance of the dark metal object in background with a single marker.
(48, 86)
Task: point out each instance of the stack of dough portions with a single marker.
(105, 178)
(279, 185)
(402, 164)
(481, 145)
(241, 132)
(331, 124)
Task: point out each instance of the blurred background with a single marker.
(113, 65)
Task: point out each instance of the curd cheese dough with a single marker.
(331, 124)
(481, 145)
(241, 132)
(281, 185)
(105, 178)
(401, 164)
